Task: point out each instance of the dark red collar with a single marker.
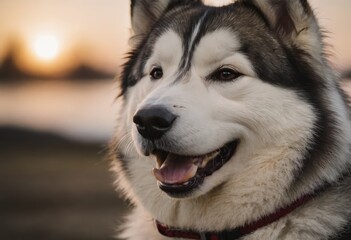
(234, 233)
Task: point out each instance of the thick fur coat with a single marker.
(251, 76)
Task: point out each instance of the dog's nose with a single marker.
(153, 122)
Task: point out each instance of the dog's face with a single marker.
(225, 108)
(217, 95)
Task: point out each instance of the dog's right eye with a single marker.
(156, 73)
(225, 74)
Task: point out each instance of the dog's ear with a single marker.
(294, 21)
(144, 14)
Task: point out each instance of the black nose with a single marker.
(153, 122)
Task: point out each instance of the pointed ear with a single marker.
(293, 21)
(144, 13)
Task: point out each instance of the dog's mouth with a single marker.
(179, 175)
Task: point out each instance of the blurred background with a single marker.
(58, 60)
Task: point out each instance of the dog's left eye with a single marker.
(224, 74)
(156, 73)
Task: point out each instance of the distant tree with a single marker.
(9, 71)
(85, 72)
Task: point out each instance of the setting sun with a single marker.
(46, 47)
(46, 53)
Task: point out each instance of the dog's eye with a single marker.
(225, 74)
(156, 73)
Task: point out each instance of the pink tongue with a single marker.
(176, 169)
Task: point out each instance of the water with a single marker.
(79, 110)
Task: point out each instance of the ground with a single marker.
(52, 188)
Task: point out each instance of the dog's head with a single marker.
(222, 95)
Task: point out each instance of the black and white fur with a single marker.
(285, 108)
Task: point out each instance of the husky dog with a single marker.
(232, 124)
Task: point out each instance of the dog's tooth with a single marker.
(160, 159)
(208, 158)
(159, 162)
(203, 164)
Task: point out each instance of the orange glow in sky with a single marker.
(95, 35)
(44, 53)
(98, 33)
(46, 47)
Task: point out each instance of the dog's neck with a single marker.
(239, 231)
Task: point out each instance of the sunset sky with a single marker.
(89, 30)
(96, 32)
